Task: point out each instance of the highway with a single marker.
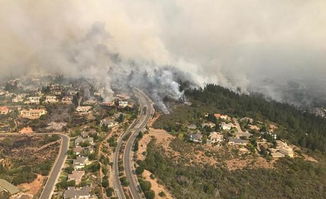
(134, 129)
(56, 169)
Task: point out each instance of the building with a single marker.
(80, 140)
(6, 187)
(208, 124)
(237, 141)
(196, 137)
(58, 126)
(4, 110)
(83, 110)
(26, 130)
(284, 148)
(33, 100)
(17, 99)
(80, 162)
(51, 99)
(225, 126)
(67, 100)
(192, 127)
(32, 114)
(214, 138)
(76, 176)
(123, 103)
(78, 150)
(108, 122)
(77, 193)
(221, 116)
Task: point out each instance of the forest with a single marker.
(298, 127)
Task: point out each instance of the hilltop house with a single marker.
(123, 103)
(208, 124)
(32, 114)
(7, 189)
(4, 110)
(237, 141)
(67, 100)
(225, 126)
(80, 140)
(26, 130)
(108, 122)
(196, 137)
(77, 193)
(80, 162)
(215, 137)
(83, 110)
(221, 116)
(282, 149)
(51, 99)
(18, 98)
(76, 176)
(33, 100)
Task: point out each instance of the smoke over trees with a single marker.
(272, 47)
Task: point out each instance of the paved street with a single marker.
(135, 128)
(56, 169)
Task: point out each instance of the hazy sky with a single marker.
(270, 46)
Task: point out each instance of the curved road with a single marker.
(56, 168)
(146, 112)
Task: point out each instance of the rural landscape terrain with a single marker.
(176, 99)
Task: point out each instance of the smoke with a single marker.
(274, 47)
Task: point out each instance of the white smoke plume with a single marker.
(275, 47)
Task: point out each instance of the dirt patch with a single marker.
(33, 187)
(162, 137)
(156, 187)
(252, 163)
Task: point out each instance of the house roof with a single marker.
(76, 175)
(238, 141)
(5, 185)
(80, 160)
(73, 192)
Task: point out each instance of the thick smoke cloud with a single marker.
(275, 47)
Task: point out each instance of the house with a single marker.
(80, 140)
(84, 134)
(221, 116)
(208, 124)
(243, 135)
(32, 114)
(17, 99)
(247, 119)
(123, 103)
(284, 148)
(58, 126)
(90, 102)
(4, 110)
(192, 127)
(237, 141)
(6, 187)
(76, 176)
(78, 150)
(77, 193)
(80, 162)
(51, 99)
(215, 137)
(108, 122)
(26, 130)
(196, 137)
(225, 126)
(33, 100)
(83, 109)
(67, 100)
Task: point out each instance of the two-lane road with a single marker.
(56, 169)
(146, 112)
